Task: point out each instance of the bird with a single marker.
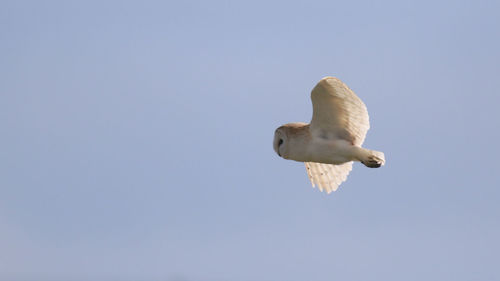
(330, 143)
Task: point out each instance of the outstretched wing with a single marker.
(338, 112)
(327, 177)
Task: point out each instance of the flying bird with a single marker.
(332, 141)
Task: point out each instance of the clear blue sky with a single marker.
(136, 141)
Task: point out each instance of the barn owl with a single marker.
(332, 141)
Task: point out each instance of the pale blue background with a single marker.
(136, 141)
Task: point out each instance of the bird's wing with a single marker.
(327, 177)
(338, 112)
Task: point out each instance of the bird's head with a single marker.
(280, 141)
(289, 135)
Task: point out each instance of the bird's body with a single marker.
(307, 148)
(333, 139)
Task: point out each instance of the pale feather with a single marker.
(327, 177)
(338, 112)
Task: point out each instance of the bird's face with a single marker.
(280, 142)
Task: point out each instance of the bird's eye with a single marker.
(280, 142)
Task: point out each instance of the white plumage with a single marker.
(333, 139)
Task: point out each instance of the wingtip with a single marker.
(330, 79)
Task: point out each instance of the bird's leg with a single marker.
(370, 158)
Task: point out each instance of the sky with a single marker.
(136, 140)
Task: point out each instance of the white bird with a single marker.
(333, 139)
